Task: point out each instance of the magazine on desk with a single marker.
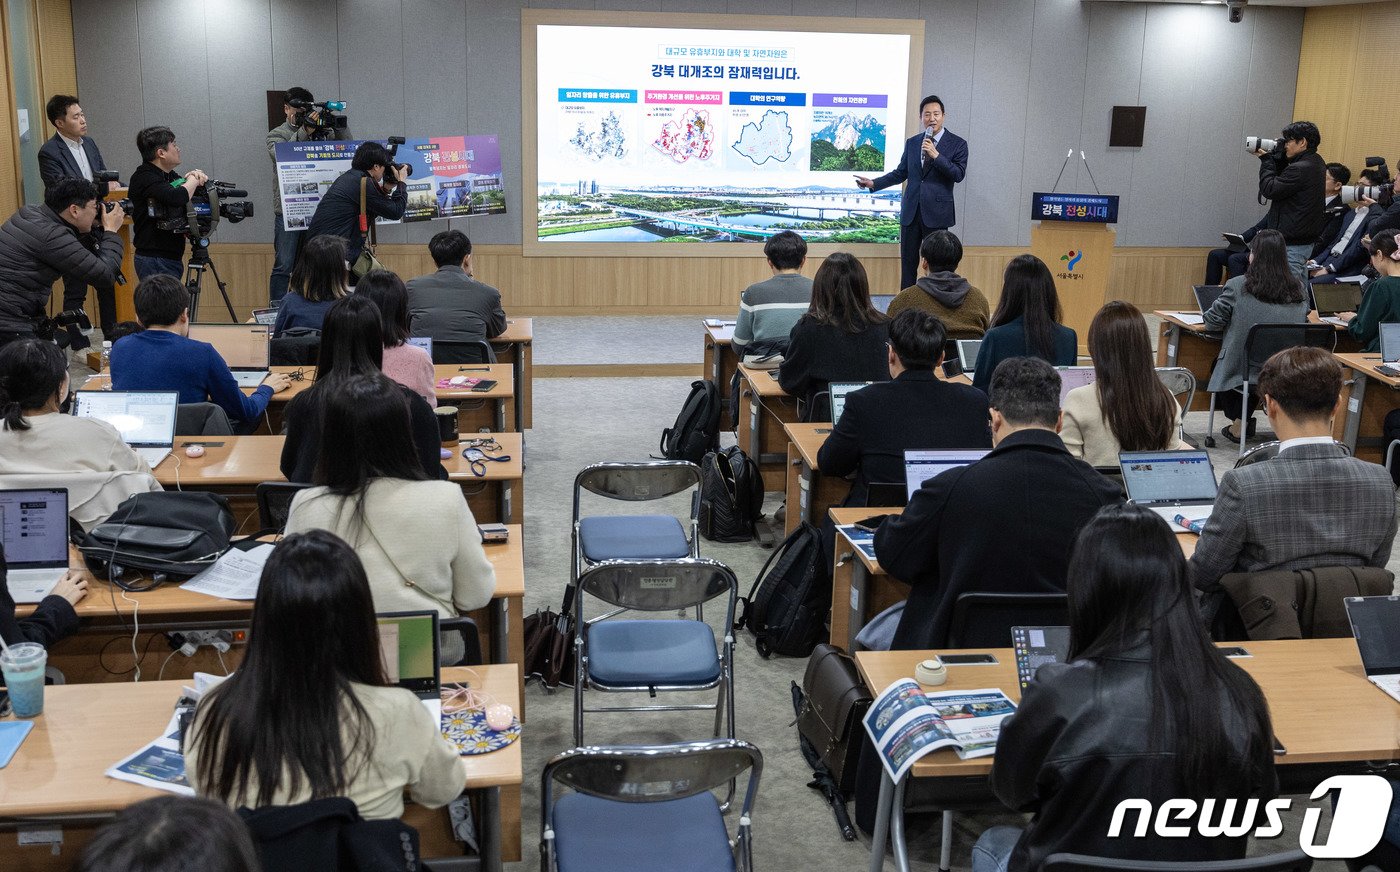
(905, 723)
(161, 763)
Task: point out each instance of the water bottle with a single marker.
(106, 354)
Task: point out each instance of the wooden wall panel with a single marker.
(1148, 277)
(58, 69)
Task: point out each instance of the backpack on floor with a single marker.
(787, 605)
(697, 426)
(731, 496)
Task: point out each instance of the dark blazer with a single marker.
(929, 192)
(1312, 505)
(56, 160)
(1354, 257)
(1005, 523)
(1337, 216)
(819, 354)
(914, 411)
(338, 213)
(1009, 340)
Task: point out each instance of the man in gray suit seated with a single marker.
(1313, 505)
(449, 305)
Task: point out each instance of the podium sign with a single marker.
(1078, 249)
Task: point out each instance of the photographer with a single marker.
(298, 127)
(40, 243)
(339, 210)
(1293, 178)
(155, 186)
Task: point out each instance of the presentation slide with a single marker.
(696, 135)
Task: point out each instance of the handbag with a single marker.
(835, 700)
(549, 644)
(165, 533)
(366, 261)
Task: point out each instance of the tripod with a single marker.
(194, 275)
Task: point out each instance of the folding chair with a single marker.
(635, 537)
(652, 807)
(650, 655)
(275, 505)
(1179, 380)
(1261, 343)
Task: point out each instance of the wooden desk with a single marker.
(720, 363)
(516, 347)
(764, 407)
(1370, 396)
(861, 589)
(809, 493)
(56, 779)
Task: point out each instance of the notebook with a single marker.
(1036, 646)
(145, 419)
(967, 354)
(34, 528)
(1390, 342)
(1375, 622)
(839, 390)
(882, 301)
(1170, 483)
(423, 342)
(246, 348)
(1072, 377)
(920, 466)
(408, 643)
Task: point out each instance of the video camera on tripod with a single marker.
(320, 117)
(199, 217)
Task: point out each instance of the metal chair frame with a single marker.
(1257, 350)
(1179, 380)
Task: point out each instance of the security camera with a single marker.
(1236, 10)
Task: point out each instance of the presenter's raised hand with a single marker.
(864, 182)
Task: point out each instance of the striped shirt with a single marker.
(768, 309)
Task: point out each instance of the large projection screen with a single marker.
(665, 135)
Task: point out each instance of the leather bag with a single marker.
(835, 701)
(366, 261)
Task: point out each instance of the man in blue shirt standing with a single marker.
(163, 357)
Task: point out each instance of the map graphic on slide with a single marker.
(847, 142)
(607, 141)
(770, 138)
(692, 137)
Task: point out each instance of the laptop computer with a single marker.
(423, 342)
(1036, 646)
(1072, 377)
(1170, 483)
(1205, 296)
(266, 317)
(920, 466)
(1390, 342)
(246, 348)
(839, 391)
(1375, 622)
(145, 419)
(967, 354)
(882, 302)
(34, 528)
(408, 643)
(1330, 299)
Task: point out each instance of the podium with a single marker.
(1074, 240)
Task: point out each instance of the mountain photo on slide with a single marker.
(849, 143)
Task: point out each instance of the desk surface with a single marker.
(59, 768)
(809, 439)
(763, 381)
(501, 373)
(518, 331)
(1174, 316)
(248, 460)
(723, 334)
(1302, 680)
(1366, 364)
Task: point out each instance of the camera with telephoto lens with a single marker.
(198, 218)
(73, 322)
(391, 174)
(101, 178)
(320, 117)
(1382, 194)
(1255, 143)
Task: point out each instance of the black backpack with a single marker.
(731, 496)
(697, 426)
(787, 605)
(167, 533)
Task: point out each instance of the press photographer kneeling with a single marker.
(40, 243)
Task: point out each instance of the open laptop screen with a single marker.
(1167, 476)
(423, 342)
(1072, 377)
(1206, 295)
(242, 346)
(1036, 646)
(882, 301)
(967, 353)
(1390, 342)
(145, 419)
(408, 642)
(1375, 622)
(34, 528)
(839, 392)
(1331, 299)
(920, 466)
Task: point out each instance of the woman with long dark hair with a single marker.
(350, 347)
(309, 714)
(319, 278)
(1127, 408)
(1026, 322)
(417, 538)
(1145, 708)
(1381, 304)
(841, 338)
(43, 447)
(1269, 292)
(406, 364)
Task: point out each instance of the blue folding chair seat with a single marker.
(632, 537)
(592, 834)
(652, 653)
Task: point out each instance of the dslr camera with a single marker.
(66, 329)
(391, 173)
(101, 178)
(198, 218)
(320, 117)
(1255, 143)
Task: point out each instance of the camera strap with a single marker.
(366, 223)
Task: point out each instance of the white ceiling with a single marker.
(1251, 2)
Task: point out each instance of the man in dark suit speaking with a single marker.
(933, 162)
(71, 154)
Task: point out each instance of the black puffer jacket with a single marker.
(36, 248)
(1297, 191)
(1078, 745)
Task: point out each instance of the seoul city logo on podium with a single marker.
(1073, 257)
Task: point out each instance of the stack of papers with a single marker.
(234, 576)
(1192, 318)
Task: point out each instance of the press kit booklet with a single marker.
(905, 723)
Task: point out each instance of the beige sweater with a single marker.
(418, 541)
(1086, 432)
(408, 752)
(84, 455)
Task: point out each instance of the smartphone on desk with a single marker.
(968, 659)
(483, 386)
